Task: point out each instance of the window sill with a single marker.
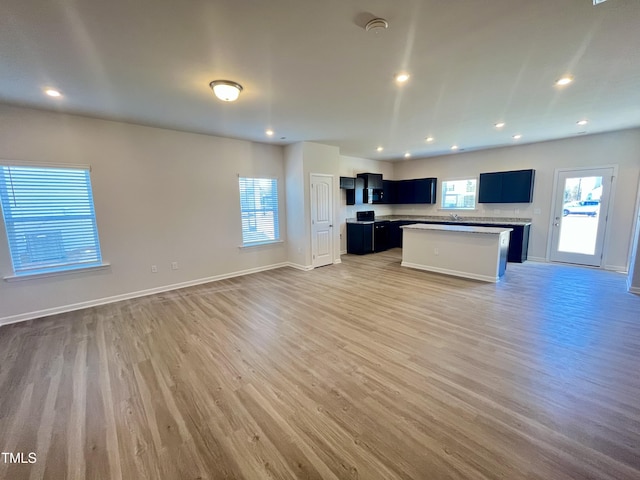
(260, 244)
(457, 209)
(32, 276)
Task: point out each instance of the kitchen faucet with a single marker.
(454, 216)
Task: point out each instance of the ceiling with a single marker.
(311, 72)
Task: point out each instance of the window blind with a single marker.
(49, 218)
(259, 210)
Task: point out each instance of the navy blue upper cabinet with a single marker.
(371, 180)
(347, 183)
(391, 192)
(418, 190)
(506, 187)
(424, 190)
(354, 195)
(405, 191)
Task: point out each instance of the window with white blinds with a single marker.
(259, 210)
(49, 218)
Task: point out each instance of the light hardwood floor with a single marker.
(362, 370)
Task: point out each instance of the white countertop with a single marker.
(464, 220)
(458, 228)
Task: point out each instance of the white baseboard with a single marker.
(343, 252)
(297, 266)
(23, 317)
(455, 273)
(616, 268)
(631, 288)
(537, 259)
(337, 260)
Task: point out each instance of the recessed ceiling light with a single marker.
(566, 80)
(269, 132)
(429, 139)
(52, 92)
(379, 149)
(454, 147)
(407, 155)
(517, 136)
(582, 122)
(402, 77)
(499, 124)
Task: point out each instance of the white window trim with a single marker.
(260, 244)
(70, 268)
(69, 271)
(458, 209)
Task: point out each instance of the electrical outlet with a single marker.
(174, 265)
(154, 269)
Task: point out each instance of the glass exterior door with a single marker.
(580, 216)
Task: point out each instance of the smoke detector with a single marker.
(376, 25)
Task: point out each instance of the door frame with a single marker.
(607, 232)
(332, 245)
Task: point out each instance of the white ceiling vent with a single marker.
(377, 25)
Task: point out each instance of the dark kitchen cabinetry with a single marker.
(348, 183)
(424, 190)
(506, 187)
(381, 236)
(518, 241)
(395, 232)
(388, 192)
(371, 180)
(370, 188)
(355, 195)
(360, 238)
(404, 191)
(418, 190)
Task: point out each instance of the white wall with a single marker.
(160, 196)
(322, 159)
(297, 216)
(302, 159)
(621, 148)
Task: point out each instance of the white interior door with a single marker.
(580, 215)
(321, 219)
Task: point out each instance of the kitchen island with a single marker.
(466, 251)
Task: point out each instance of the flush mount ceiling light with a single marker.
(52, 92)
(226, 90)
(379, 149)
(566, 80)
(499, 124)
(517, 136)
(429, 139)
(402, 77)
(269, 132)
(407, 155)
(454, 147)
(582, 122)
(376, 25)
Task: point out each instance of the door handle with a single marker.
(556, 224)
(331, 226)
